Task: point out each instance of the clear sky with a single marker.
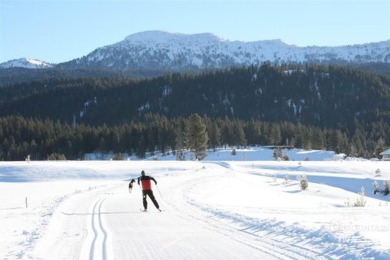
(57, 31)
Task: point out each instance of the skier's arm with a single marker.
(138, 180)
(155, 182)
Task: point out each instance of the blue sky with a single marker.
(57, 31)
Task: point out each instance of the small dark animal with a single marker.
(131, 184)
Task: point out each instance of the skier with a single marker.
(147, 190)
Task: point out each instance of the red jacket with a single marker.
(145, 182)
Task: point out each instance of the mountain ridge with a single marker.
(163, 51)
(28, 63)
(159, 50)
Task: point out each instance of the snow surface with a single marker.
(245, 206)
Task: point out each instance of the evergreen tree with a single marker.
(238, 134)
(214, 135)
(253, 132)
(180, 142)
(380, 147)
(197, 136)
(275, 134)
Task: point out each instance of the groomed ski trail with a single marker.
(166, 235)
(105, 222)
(95, 245)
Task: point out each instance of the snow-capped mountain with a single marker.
(26, 63)
(161, 50)
(157, 50)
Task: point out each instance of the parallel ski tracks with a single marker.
(96, 241)
(100, 233)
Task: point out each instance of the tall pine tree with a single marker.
(197, 136)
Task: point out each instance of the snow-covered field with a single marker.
(245, 206)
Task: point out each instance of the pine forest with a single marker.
(330, 107)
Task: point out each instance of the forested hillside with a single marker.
(321, 96)
(352, 104)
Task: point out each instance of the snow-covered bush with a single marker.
(386, 187)
(56, 157)
(361, 201)
(277, 153)
(376, 187)
(118, 157)
(286, 178)
(303, 182)
(180, 155)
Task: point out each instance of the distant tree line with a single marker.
(19, 75)
(44, 139)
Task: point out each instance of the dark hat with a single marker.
(142, 172)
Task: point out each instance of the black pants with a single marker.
(151, 196)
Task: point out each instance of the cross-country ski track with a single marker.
(211, 210)
(96, 241)
(115, 228)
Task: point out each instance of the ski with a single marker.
(159, 210)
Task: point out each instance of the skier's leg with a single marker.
(154, 200)
(144, 199)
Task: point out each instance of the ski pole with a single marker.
(159, 191)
